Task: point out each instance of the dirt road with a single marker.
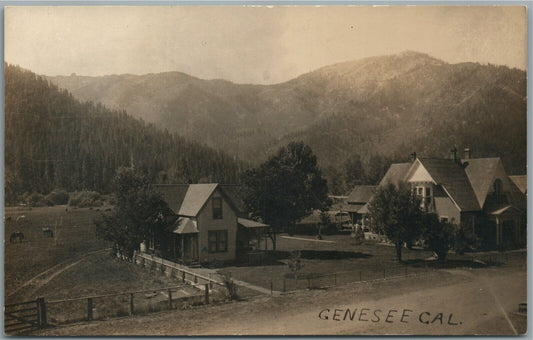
(481, 301)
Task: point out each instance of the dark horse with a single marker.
(16, 235)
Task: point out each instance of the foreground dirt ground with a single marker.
(447, 302)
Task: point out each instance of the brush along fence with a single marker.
(98, 307)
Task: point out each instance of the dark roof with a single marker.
(480, 172)
(233, 192)
(452, 177)
(520, 182)
(173, 194)
(396, 173)
(361, 194)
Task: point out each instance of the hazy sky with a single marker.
(253, 44)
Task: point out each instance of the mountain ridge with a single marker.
(387, 105)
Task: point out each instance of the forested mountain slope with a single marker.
(386, 105)
(55, 141)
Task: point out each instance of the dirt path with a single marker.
(448, 303)
(46, 276)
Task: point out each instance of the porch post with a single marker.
(182, 247)
(498, 231)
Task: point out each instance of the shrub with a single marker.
(85, 199)
(295, 263)
(465, 239)
(58, 197)
(35, 200)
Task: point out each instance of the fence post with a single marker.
(206, 293)
(41, 308)
(284, 285)
(383, 273)
(183, 276)
(360, 275)
(169, 298)
(195, 278)
(89, 309)
(308, 283)
(405, 271)
(335, 278)
(131, 303)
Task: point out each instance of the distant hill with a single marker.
(387, 105)
(55, 141)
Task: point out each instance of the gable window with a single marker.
(218, 241)
(217, 208)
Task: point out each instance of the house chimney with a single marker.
(468, 153)
(413, 156)
(454, 154)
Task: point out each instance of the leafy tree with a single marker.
(355, 173)
(439, 235)
(140, 213)
(286, 188)
(397, 214)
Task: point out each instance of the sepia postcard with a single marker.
(265, 170)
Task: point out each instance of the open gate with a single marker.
(24, 316)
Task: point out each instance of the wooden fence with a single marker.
(106, 306)
(24, 316)
(172, 269)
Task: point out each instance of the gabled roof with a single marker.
(453, 179)
(185, 225)
(396, 173)
(480, 172)
(233, 192)
(195, 198)
(520, 182)
(188, 199)
(361, 194)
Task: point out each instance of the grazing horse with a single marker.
(16, 235)
(48, 232)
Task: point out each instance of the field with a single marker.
(74, 237)
(72, 263)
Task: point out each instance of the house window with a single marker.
(427, 197)
(218, 241)
(444, 219)
(217, 208)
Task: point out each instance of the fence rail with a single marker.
(24, 316)
(422, 267)
(173, 269)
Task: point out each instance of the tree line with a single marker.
(54, 141)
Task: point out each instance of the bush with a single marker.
(58, 197)
(295, 263)
(465, 239)
(35, 200)
(85, 199)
